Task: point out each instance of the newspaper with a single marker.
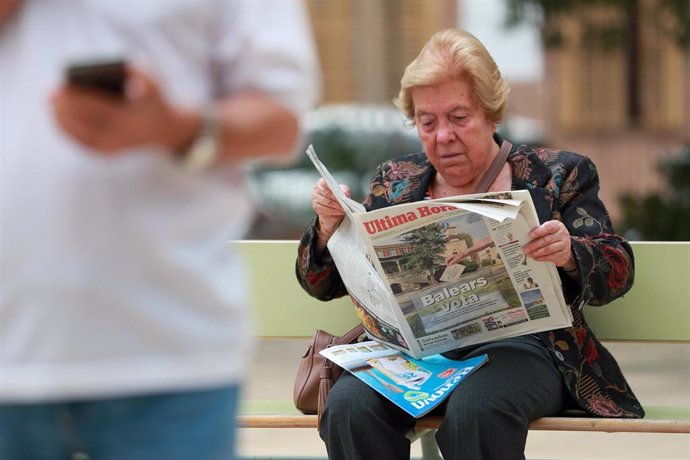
(396, 264)
(415, 385)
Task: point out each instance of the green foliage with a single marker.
(351, 155)
(428, 242)
(470, 266)
(670, 17)
(505, 285)
(361, 152)
(358, 153)
(664, 215)
(415, 323)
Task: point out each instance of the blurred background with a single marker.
(606, 78)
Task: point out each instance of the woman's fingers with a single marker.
(323, 200)
(550, 242)
(326, 206)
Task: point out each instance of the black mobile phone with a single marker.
(103, 75)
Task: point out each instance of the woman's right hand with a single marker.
(327, 208)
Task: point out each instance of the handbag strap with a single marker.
(495, 168)
(350, 335)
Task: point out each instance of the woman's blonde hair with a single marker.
(450, 55)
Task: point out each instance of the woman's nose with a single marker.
(445, 134)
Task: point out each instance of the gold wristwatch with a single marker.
(203, 150)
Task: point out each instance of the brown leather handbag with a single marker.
(315, 374)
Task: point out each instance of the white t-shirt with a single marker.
(116, 274)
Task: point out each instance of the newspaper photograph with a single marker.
(435, 275)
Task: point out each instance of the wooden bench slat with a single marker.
(277, 421)
(611, 425)
(608, 425)
(659, 419)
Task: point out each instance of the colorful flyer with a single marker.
(415, 385)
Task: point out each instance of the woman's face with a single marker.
(456, 134)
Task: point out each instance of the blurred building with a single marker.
(625, 106)
(643, 84)
(365, 45)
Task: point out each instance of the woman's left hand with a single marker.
(550, 242)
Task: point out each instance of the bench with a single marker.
(656, 311)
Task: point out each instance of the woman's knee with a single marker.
(474, 423)
(357, 418)
(483, 410)
(350, 395)
(351, 402)
(518, 383)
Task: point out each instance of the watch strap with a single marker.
(203, 150)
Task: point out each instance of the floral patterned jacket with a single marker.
(563, 186)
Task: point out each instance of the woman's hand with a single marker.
(328, 209)
(550, 242)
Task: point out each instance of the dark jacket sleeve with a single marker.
(605, 260)
(318, 276)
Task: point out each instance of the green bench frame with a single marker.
(657, 309)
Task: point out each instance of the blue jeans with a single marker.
(197, 425)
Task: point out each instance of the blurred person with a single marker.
(455, 96)
(124, 326)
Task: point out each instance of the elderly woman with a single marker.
(454, 94)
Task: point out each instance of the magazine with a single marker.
(436, 275)
(415, 385)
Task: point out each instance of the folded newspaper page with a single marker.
(436, 275)
(415, 385)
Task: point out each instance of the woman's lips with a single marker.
(449, 155)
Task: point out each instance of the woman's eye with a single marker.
(426, 124)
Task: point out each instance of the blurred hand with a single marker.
(7, 8)
(327, 208)
(109, 124)
(550, 242)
